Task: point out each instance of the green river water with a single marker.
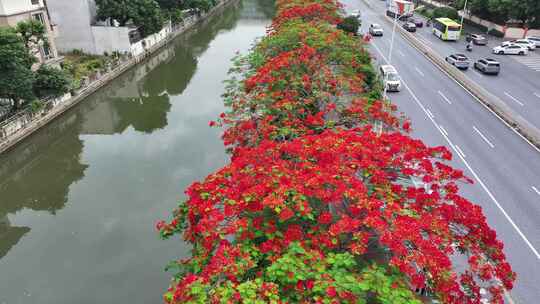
(79, 199)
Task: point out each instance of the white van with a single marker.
(390, 78)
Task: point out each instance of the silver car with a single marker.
(460, 61)
(535, 40)
(488, 66)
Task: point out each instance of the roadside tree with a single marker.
(145, 14)
(50, 82)
(16, 76)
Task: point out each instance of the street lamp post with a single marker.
(392, 43)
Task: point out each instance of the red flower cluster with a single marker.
(316, 206)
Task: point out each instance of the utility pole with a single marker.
(463, 13)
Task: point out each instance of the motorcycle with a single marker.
(469, 47)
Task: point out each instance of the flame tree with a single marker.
(317, 204)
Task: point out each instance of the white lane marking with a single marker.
(419, 72)
(480, 182)
(536, 94)
(444, 97)
(401, 53)
(429, 114)
(443, 130)
(513, 98)
(459, 151)
(483, 137)
(535, 190)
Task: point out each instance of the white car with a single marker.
(534, 39)
(375, 29)
(523, 42)
(512, 49)
(390, 78)
(356, 13)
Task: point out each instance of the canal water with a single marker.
(79, 199)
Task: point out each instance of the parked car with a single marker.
(488, 66)
(523, 42)
(460, 61)
(476, 39)
(409, 26)
(375, 29)
(534, 39)
(512, 49)
(356, 13)
(390, 78)
(417, 21)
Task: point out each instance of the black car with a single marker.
(409, 26)
(417, 21)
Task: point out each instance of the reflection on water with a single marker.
(78, 199)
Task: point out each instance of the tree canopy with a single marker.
(145, 14)
(50, 82)
(18, 82)
(500, 11)
(16, 76)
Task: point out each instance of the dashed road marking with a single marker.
(483, 137)
(514, 99)
(535, 190)
(444, 97)
(443, 130)
(419, 72)
(429, 113)
(459, 151)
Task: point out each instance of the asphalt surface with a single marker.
(505, 168)
(518, 83)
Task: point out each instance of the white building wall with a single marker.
(151, 40)
(73, 19)
(109, 39)
(11, 7)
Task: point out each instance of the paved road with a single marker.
(518, 84)
(506, 169)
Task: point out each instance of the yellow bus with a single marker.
(446, 29)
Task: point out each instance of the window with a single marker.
(46, 51)
(35, 2)
(39, 17)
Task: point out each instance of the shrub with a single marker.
(447, 12)
(349, 24)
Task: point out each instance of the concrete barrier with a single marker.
(498, 106)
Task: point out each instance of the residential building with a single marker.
(78, 28)
(15, 11)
